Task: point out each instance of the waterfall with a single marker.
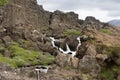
(79, 42)
(68, 51)
(42, 69)
(38, 73)
(53, 42)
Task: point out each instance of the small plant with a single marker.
(3, 2)
(107, 31)
(71, 32)
(93, 41)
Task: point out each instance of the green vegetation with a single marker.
(28, 44)
(71, 32)
(93, 41)
(107, 31)
(110, 50)
(109, 73)
(22, 57)
(44, 29)
(3, 2)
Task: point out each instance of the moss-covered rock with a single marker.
(23, 57)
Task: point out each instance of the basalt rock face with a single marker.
(26, 19)
(20, 18)
(27, 23)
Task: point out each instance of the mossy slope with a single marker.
(23, 57)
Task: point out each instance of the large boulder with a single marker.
(7, 40)
(65, 60)
(86, 49)
(91, 50)
(102, 57)
(88, 64)
(47, 47)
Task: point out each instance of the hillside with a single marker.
(43, 45)
(115, 22)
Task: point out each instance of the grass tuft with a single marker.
(71, 32)
(107, 31)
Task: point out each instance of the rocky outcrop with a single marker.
(62, 21)
(20, 18)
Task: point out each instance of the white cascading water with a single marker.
(73, 53)
(53, 42)
(43, 69)
(79, 42)
(38, 73)
(67, 51)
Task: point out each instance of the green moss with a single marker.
(4, 59)
(1, 41)
(104, 49)
(3, 2)
(44, 29)
(110, 50)
(22, 57)
(2, 47)
(116, 51)
(109, 73)
(71, 32)
(28, 44)
(93, 41)
(107, 31)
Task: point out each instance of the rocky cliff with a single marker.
(43, 45)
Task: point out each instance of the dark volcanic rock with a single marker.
(92, 24)
(23, 16)
(61, 21)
